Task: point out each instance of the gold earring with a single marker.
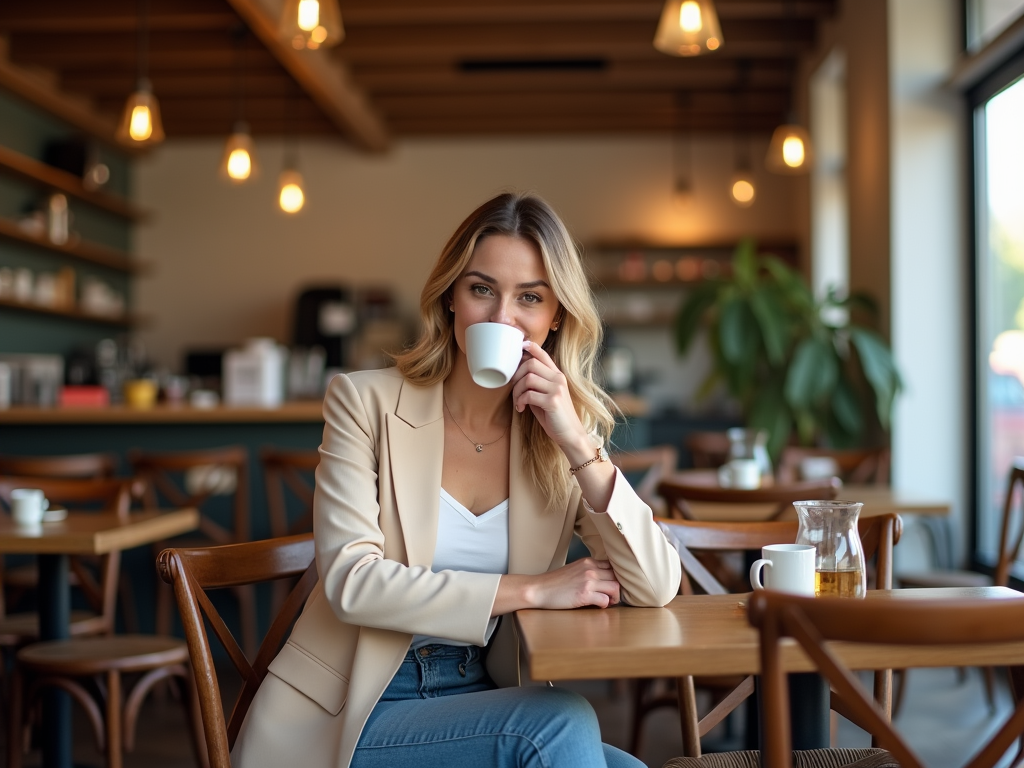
(554, 327)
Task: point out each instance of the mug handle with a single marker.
(755, 573)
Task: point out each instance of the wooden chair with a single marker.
(288, 473)
(193, 572)
(93, 652)
(708, 450)
(289, 469)
(652, 464)
(878, 536)
(677, 494)
(166, 478)
(861, 467)
(811, 623)
(81, 465)
(1009, 548)
(96, 578)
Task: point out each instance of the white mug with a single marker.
(494, 351)
(740, 473)
(790, 569)
(27, 506)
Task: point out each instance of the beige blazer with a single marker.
(375, 521)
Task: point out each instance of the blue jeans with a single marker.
(442, 709)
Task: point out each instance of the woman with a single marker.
(442, 507)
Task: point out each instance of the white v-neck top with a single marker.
(468, 542)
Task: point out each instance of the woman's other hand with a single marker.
(583, 582)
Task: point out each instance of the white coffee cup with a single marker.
(790, 569)
(740, 473)
(494, 351)
(27, 506)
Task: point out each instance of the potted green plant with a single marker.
(794, 364)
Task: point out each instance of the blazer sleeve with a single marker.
(645, 562)
(362, 586)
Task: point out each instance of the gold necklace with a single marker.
(479, 446)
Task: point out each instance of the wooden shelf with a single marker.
(111, 258)
(303, 411)
(124, 321)
(617, 284)
(48, 177)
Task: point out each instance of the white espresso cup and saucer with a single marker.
(740, 473)
(494, 351)
(785, 568)
(28, 505)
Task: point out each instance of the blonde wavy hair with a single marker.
(574, 347)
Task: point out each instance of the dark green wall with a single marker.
(26, 129)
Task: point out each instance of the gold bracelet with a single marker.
(599, 455)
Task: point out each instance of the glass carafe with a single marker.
(750, 444)
(831, 526)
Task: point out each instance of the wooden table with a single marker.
(710, 635)
(877, 500)
(80, 534)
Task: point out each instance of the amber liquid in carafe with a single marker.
(838, 583)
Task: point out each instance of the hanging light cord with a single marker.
(143, 51)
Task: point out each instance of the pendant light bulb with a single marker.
(239, 164)
(140, 123)
(688, 28)
(790, 150)
(291, 196)
(310, 24)
(742, 189)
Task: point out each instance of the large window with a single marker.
(999, 154)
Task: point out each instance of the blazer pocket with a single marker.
(311, 677)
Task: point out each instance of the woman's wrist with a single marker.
(579, 451)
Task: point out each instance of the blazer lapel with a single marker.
(533, 530)
(416, 448)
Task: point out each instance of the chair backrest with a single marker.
(1009, 547)
(869, 466)
(81, 465)
(878, 535)
(291, 470)
(678, 492)
(192, 572)
(812, 622)
(97, 577)
(708, 449)
(166, 476)
(654, 464)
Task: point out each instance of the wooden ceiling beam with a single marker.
(322, 77)
(440, 78)
(559, 41)
(209, 82)
(431, 12)
(558, 124)
(76, 24)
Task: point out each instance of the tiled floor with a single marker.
(943, 718)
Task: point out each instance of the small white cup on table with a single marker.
(28, 506)
(740, 473)
(786, 568)
(494, 351)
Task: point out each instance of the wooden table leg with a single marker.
(55, 624)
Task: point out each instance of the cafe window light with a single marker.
(311, 24)
(688, 28)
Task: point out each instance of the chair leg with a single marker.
(640, 687)
(113, 720)
(15, 732)
(989, 676)
(688, 720)
(900, 683)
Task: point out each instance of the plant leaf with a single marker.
(846, 408)
(879, 369)
(744, 263)
(772, 319)
(768, 411)
(737, 331)
(812, 374)
(691, 314)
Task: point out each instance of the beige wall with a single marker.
(227, 264)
